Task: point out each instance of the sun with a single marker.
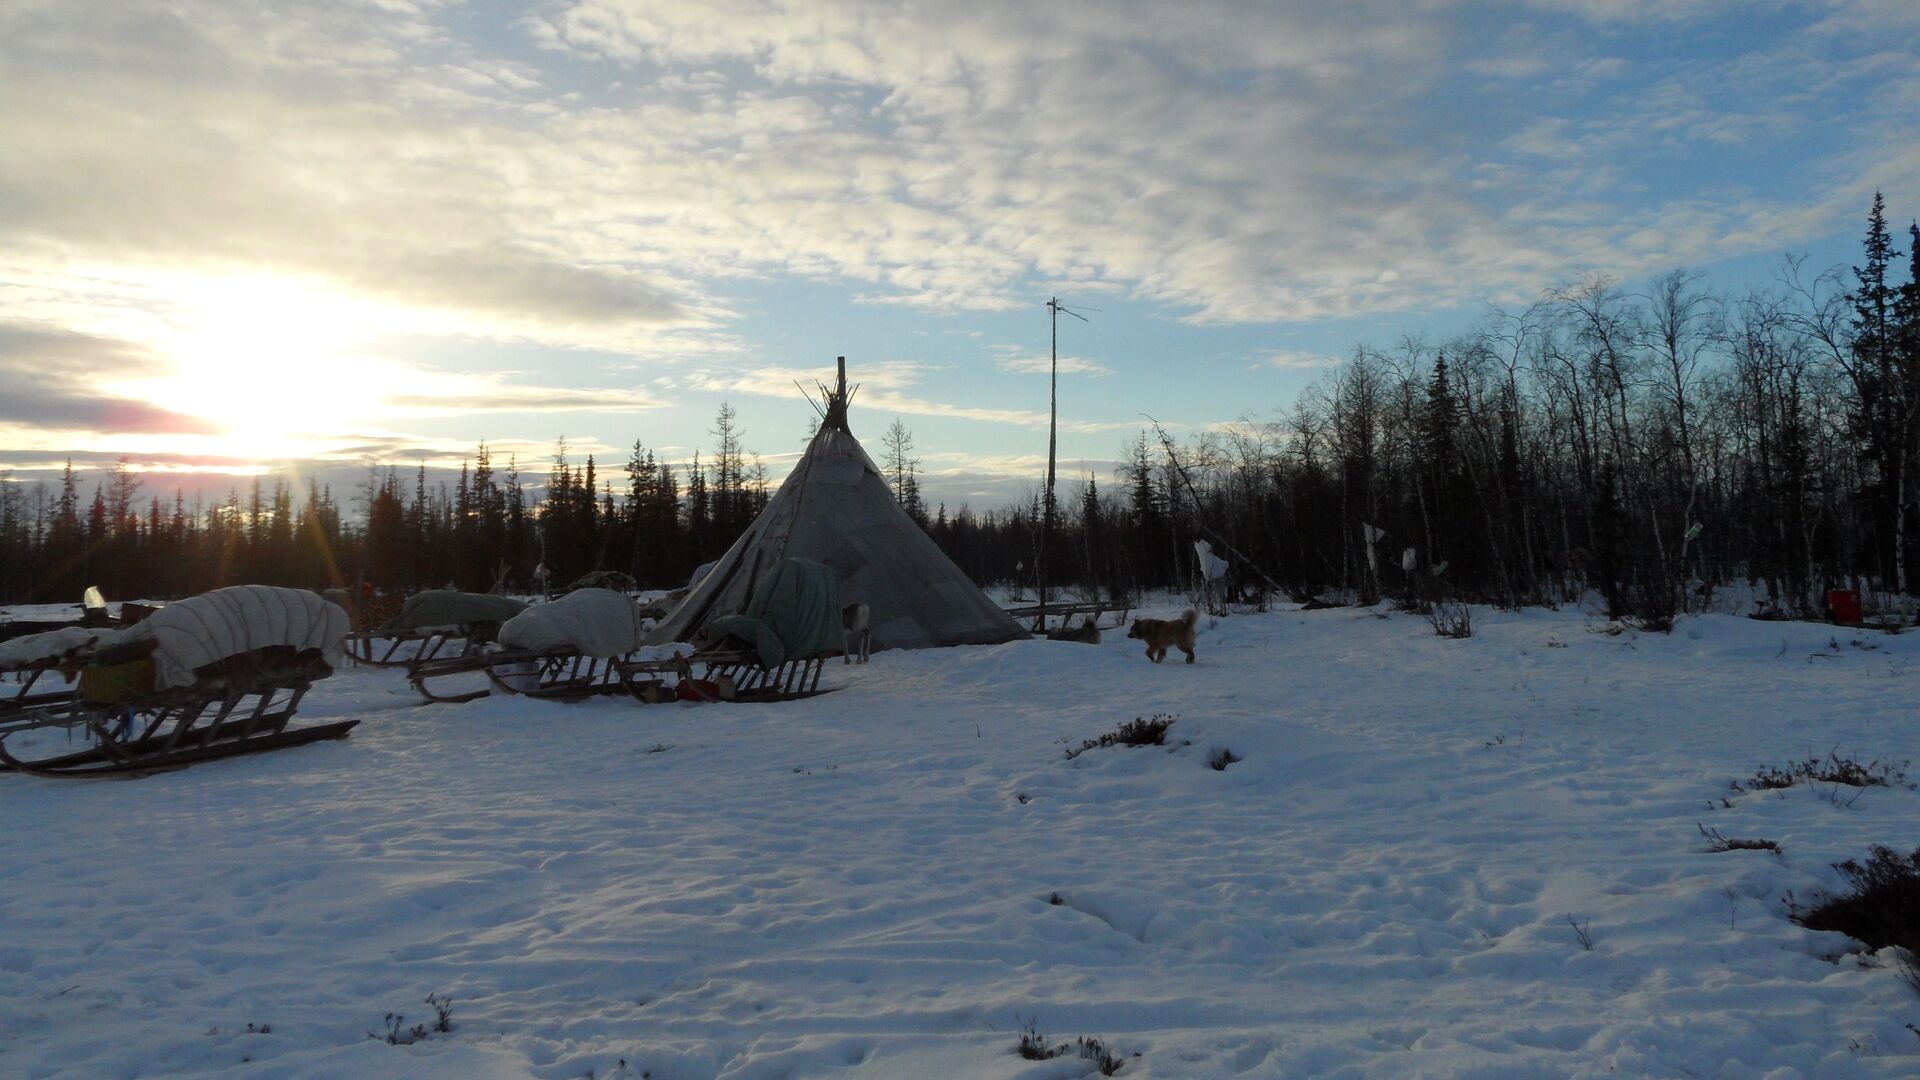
(276, 366)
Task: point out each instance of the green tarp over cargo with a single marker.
(446, 607)
(794, 614)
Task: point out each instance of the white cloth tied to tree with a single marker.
(592, 622)
(238, 619)
(1212, 566)
(1371, 535)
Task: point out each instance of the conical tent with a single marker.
(835, 508)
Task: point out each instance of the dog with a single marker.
(1162, 634)
(857, 620)
(1086, 633)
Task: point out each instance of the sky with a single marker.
(299, 238)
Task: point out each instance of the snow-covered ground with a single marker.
(862, 884)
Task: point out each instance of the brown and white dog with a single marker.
(1162, 634)
(856, 620)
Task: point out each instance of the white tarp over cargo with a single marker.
(836, 509)
(238, 619)
(52, 645)
(592, 622)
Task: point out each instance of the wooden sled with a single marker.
(242, 706)
(22, 698)
(1065, 612)
(388, 648)
(728, 675)
(555, 675)
(30, 689)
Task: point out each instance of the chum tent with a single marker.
(835, 508)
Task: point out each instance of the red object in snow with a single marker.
(1843, 606)
(697, 690)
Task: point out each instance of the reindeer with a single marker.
(858, 622)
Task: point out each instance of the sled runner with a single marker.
(727, 674)
(557, 674)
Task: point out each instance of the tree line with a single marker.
(488, 529)
(1649, 446)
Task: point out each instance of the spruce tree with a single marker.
(1882, 414)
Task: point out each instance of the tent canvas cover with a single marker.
(835, 508)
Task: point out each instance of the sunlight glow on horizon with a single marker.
(268, 361)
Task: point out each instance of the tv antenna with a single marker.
(1054, 310)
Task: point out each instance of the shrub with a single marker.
(1582, 932)
(1034, 1045)
(1881, 908)
(1104, 1060)
(1832, 769)
(1650, 607)
(1221, 758)
(1135, 732)
(397, 1034)
(1451, 619)
(1717, 843)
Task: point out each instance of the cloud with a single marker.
(48, 373)
(886, 402)
(881, 388)
(312, 145)
(1511, 67)
(996, 480)
(467, 396)
(1034, 364)
(596, 174)
(1244, 162)
(1638, 11)
(1296, 360)
(29, 465)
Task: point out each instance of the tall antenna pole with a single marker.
(1053, 413)
(1047, 511)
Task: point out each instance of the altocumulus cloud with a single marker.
(1239, 161)
(354, 149)
(1243, 161)
(596, 174)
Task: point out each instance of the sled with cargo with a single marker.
(215, 676)
(437, 624)
(564, 650)
(774, 649)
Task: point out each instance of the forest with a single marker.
(1648, 446)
